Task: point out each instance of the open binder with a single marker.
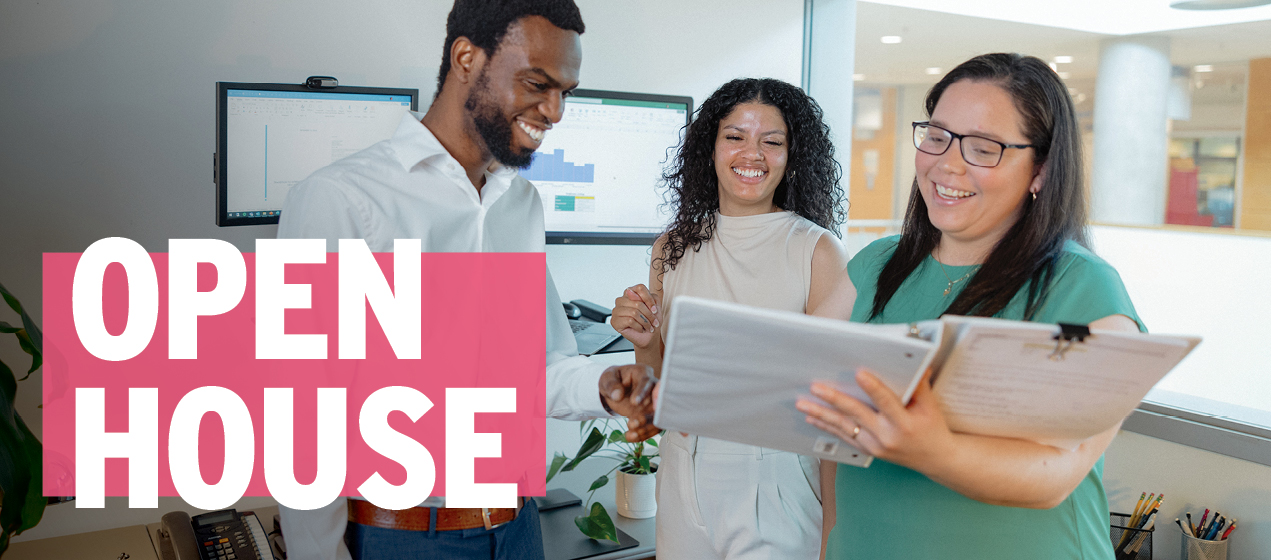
(734, 372)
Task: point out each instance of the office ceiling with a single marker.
(932, 39)
(1115, 17)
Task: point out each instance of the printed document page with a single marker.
(1012, 379)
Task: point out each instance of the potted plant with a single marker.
(21, 479)
(635, 464)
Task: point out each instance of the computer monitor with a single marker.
(599, 169)
(271, 136)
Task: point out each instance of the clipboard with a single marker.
(733, 372)
(1054, 384)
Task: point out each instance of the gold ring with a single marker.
(856, 431)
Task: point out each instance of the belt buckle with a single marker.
(485, 517)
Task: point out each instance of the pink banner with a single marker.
(482, 326)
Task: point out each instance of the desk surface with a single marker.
(640, 529)
(643, 530)
(138, 541)
(131, 543)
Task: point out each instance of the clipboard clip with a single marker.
(1068, 333)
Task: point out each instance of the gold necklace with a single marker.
(949, 288)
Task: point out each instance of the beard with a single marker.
(493, 127)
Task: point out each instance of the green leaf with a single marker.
(644, 464)
(617, 436)
(21, 466)
(597, 525)
(595, 440)
(29, 347)
(32, 340)
(557, 460)
(599, 483)
(21, 475)
(12, 301)
(650, 441)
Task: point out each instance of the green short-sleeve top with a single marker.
(887, 511)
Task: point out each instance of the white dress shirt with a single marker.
(410, 187)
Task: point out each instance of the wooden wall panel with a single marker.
(875, 203)
(1255, 196)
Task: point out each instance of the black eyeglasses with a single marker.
(976, 150)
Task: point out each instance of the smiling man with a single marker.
(449, 177)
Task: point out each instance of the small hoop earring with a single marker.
(1034, 196)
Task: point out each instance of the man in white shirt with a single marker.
(448, 178)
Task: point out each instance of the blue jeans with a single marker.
(519, 539)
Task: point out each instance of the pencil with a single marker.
(1138, 506)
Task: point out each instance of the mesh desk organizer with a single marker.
(1137, 543)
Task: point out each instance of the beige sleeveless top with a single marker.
(764, 261)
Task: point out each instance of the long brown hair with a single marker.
(1032, 246)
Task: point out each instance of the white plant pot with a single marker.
(636, 495)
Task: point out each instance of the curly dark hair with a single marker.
(810, 187)
(485, 22)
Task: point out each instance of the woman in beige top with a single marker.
(755, 192)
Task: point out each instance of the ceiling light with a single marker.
(1054, 66)
(1203, 68)
(1065, 75)
(1063, 60)
(1072, 91)
(1215, 4)
(934, 70)
(858, 77)
(890, 39)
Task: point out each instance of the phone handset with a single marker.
(176, 537)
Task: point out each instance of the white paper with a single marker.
(1004, 378)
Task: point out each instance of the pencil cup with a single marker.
(1200, 549)
(1130, 543)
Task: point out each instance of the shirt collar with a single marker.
(414, 144)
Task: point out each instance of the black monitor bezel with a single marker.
(602, 238)
(219, 160)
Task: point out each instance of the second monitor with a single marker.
(599, 169)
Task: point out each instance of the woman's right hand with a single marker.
(635, 315)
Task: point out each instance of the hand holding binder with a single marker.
(993, 377)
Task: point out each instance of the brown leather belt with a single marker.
(363, 512)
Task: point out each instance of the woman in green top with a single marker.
(995, 227)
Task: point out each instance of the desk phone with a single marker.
(219, 535)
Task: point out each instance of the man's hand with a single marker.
(628, 390)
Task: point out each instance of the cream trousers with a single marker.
(718, 499)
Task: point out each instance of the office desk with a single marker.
(642, 530)
(141, 542)
(123, 543)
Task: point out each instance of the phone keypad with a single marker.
(220, 549)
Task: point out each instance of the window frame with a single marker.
(1242, 433)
